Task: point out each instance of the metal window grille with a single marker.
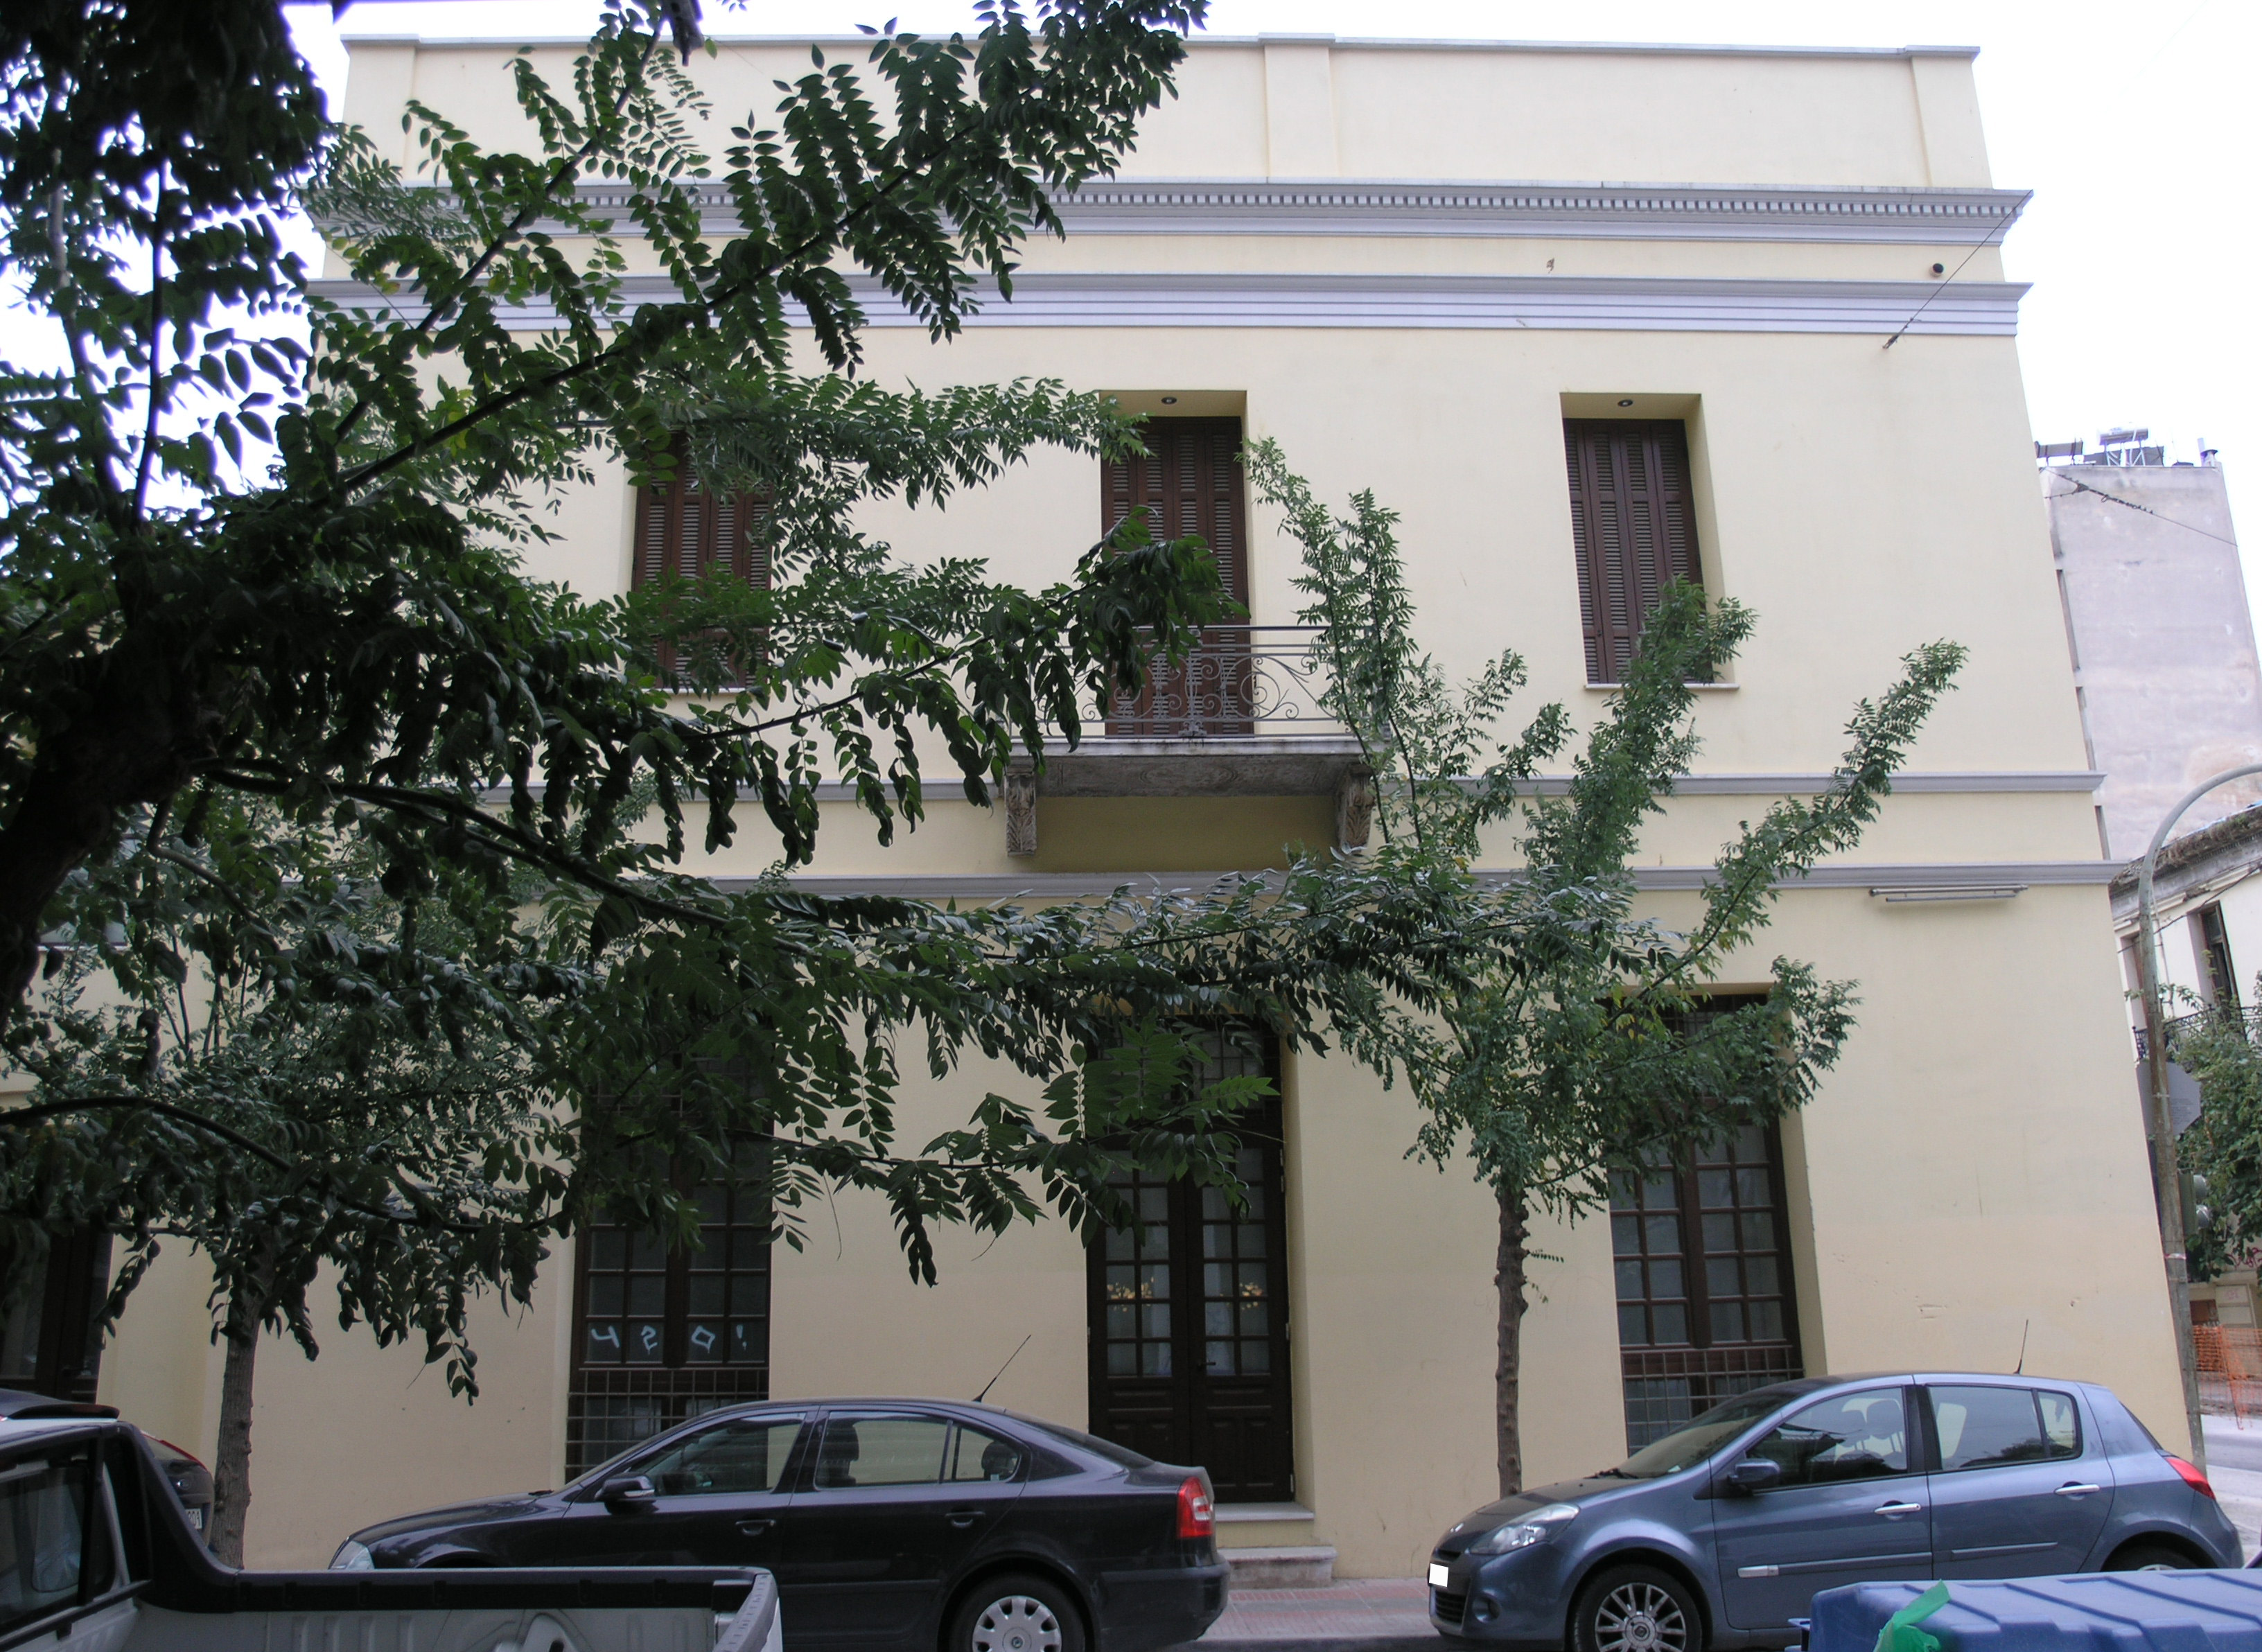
(663, 1336)
(1705, 1305)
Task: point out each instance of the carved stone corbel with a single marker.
(1354, 807)
(1020, 812)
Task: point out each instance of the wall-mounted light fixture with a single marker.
(1626, 401)
(1170, 402)
(1948, 891)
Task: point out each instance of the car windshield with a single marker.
(1696, 1440)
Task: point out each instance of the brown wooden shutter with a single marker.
(1190, 483)
(682, 527)
(1633, 526)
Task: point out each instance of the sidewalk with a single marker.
(1369, 1615)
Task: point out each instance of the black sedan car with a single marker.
(889, 1523)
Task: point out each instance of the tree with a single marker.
(238, 564)
(1592, 1048)
(2223, 1147)
(370, 1062)
(262, 612)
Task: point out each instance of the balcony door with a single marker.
(1190, 483)
(1189, 1315)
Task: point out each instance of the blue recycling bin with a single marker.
(2091, 1611)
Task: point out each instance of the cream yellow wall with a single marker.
(1862, 501)
(1973, 1171)
(360, 1434)
(1297, 108)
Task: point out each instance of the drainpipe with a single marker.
(2167, 1187)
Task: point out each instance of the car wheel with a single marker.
(1016, 1613)
(2149, 1557)
(1636, 1609)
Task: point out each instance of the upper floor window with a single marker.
(1190, 483)
(1633, 526)
(685, 528)
(2218, 980)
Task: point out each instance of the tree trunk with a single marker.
(231, 1463)
(1508, 1275)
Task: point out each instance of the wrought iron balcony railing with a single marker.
(2178, 1026)
(1240, 680)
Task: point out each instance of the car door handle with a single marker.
(1894, 1510)
(2074, 1489)
(755, 1528)
(963, 1518)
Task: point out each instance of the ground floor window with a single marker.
(1188, 1311)
(48, 1343)
(1705, 1305)
(662, 1335)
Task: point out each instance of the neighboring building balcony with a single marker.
(1242, 715)
(2178, 1026)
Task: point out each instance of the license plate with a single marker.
(1438, 1575)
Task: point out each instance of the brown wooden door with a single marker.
(1189, 1321)
(1191, 483)
(1633, 526)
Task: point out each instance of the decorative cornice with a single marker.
(1451, 209)
(944, 790)
(1041, 887)
(1644, 304)
(377, 36)
(1611, 212)
(1808, 785)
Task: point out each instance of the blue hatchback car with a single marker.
(1721, 1532)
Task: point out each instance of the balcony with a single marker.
(1241, 716)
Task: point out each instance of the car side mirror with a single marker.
(625, 1494)
(1754, 1474)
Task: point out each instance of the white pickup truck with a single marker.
(96, 1555)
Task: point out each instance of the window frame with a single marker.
(676, 1386)
(1715, 1370)
(2218, 972)
(98, 1455)
(748, 556)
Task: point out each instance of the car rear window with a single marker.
(1121, 1457)
(2120, 1430)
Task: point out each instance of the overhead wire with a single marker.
(2115, 498)
(1987, 240)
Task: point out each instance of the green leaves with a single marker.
(1589, 1042)
(2223, 1144)
(291, 571)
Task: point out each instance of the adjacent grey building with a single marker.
(2162, 637)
